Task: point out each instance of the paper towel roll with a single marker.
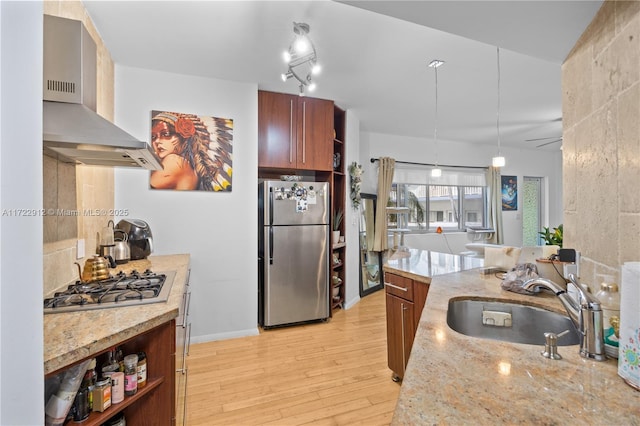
(629, 350)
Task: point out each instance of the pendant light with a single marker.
(498, 161)
(436, 171)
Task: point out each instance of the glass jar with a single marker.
(102, 395)
(609, 298)
(117, 420)
(142, 369)
(130, 374)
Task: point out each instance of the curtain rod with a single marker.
(373, 160)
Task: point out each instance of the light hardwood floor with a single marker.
(332, 373)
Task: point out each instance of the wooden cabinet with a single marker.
(405, 299)
(294, 132)
(154, 403)
(306, 136)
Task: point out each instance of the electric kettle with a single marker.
(122, 251)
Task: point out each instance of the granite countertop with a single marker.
(421, 265)
(456, 379)
(72, 336)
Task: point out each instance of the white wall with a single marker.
(352, 216)
(219, 230)
(520, 163)
(21, 316)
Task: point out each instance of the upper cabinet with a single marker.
(294, 132)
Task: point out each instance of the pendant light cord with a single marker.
(498, 110)
(435, 124)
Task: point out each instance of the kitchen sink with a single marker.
(509, 321)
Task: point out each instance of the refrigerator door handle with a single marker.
(271, 198)
(270, 245)
(270, 206)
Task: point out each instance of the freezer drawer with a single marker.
(296, 274)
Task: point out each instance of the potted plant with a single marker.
(552, 238)
(335, 223)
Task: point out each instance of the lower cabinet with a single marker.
(183, 340)
(405, 299)
(152, 404)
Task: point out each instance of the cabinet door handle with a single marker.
(404, 355)
(304, 132)
(395, 286)
(291, 131)
(185, 315)
(184, 405)
(188, 341)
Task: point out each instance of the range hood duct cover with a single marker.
(72, 130)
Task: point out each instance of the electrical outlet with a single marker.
(80, 249)
(570, 268)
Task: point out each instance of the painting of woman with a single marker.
(195, 151)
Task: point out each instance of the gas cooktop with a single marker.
(134, 288)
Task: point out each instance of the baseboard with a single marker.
(351, 302)
(225, 336)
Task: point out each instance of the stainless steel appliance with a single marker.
(72, 130)
(134, 288)
(138, 236)
(293, 252)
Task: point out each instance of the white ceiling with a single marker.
(374, 56)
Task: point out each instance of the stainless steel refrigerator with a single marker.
(293, 252)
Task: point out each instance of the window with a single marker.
(454, 201)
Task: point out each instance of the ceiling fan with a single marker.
(549, 140)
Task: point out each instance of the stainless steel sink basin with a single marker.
(509, 322)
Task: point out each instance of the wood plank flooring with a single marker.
(332, 373)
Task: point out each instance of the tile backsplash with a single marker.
(601, 142)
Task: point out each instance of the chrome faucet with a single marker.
(586, 314)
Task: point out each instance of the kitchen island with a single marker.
(456, 379)
(71, 337)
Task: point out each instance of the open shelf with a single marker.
(97, 418)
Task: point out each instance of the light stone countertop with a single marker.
(456, 379)
(73, 336)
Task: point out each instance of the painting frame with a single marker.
(196, 152)
(509, 193)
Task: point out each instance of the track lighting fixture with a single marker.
(301, 59)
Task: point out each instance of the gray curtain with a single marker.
(495, 204)
(386, 166)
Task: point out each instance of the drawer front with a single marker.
(398, 286)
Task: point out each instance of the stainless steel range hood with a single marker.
(72, 130)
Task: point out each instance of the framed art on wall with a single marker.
(509, 193)
(195, 151)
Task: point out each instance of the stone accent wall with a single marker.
(601, 142)
(93, 186)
